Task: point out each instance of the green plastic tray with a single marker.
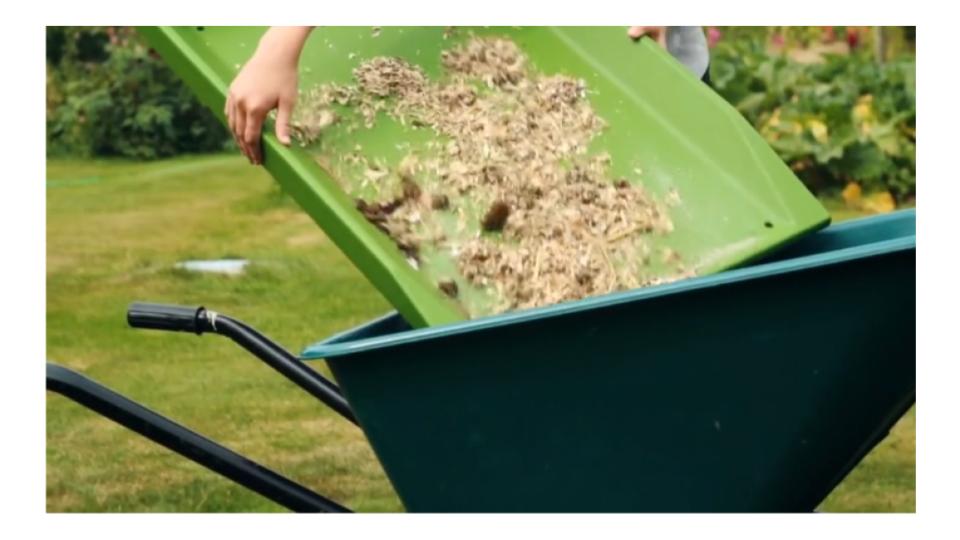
(739, 200)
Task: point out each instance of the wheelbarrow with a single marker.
(756, 389)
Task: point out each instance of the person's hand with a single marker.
(267, 81)
(658, 33)
(261, 86)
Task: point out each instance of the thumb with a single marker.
(284, 108)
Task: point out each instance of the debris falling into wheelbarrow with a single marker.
(507, 186)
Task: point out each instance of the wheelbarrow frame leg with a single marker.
(185, 442)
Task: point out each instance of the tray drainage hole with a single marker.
(201, 28)
(768, 225)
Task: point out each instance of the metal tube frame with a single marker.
(185, 442)
(190, 444)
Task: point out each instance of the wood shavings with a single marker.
(496, 61)
(496, 216)
(383, 76)
(554, 224)
(673, 197)
(439, 202)
(449, 287)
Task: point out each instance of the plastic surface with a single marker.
(738, 199)
(756, 389)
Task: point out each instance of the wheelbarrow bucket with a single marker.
(756, 389)
(738, 199)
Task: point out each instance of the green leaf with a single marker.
(864, 162)
(751, 102)
(826, 153)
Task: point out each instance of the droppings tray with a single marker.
(738, 199)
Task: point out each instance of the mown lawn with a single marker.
(115, 230)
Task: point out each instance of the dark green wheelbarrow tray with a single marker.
(755, 389)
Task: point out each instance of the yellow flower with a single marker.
(819, 130)
(880, 203)
(774, 120)
(863, 110)
(851, 194)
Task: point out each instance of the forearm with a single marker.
(283, 44)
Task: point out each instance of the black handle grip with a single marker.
(166, 317)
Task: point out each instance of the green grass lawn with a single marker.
(114, 232)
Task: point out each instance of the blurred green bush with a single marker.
(847, 120)
(108, 95)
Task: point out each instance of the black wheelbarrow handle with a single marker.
(185, 442)
(199, 320)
